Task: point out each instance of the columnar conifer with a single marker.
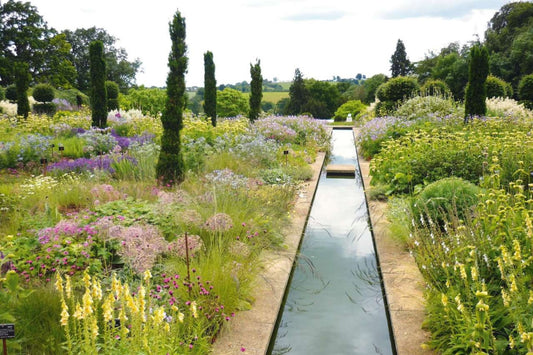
(256, 88)
(400, 65)
(170, 169)
(210, 88)
(298, 94)
(476, 90)
(22, 77)
(98, 92)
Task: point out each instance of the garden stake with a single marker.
(5, 346)
(187, 261)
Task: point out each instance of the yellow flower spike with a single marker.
(78, 313)
(513, 287)
(444, 300)
(474, 273)
(511, 342)
(59, 284)
(517, 252)
(68, 287)
(181, 316)
(530, 299)
(147, 275)
(97, 290)
(505, 298)
(159, 315)
(462, 271)
(107, 308)
(87, 279)
(175, 309)
(116, 287)
(194, 310)
(64, 313)
(87, 304)
(167, 327)
(94, 328)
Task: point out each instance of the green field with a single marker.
(272, 96)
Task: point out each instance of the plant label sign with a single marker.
(7, 331)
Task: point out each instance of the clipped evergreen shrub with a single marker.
(393, 92)
(476, 89)
(11, 93)
(98, 94)
(22, 78)
(43, 93)
(2, 93)
(112, 95)
(525, 91)
(444, 200)
(496, 87)
(435, 88)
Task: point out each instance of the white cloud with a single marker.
(345, 38)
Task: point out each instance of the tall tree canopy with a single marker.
(400, 65)
(119, 69)
(210, 88)
(26, 38)
(256, 87)
(170, 169)
(298, 94)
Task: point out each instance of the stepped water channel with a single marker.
(334, 303)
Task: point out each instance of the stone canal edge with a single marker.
(250, 331)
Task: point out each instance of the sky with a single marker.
(321, 38)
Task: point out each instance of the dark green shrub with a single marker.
(11, 93)
(435, 88)
(496, 87)
(23, 78)
(45, 108)
(2, 93)
(444, 200)
(43, 93)
(112, 95)
(525, 91)
(399, 88)
(98, 90)
(210, 86)
(476, 90)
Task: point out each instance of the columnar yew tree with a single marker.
(476, 89)
(256, 90)
(170, 168)
(22, 82)
(298, 94)
(210, 88)
(400, 65)
(98, 92)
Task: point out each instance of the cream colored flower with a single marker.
(68, 287)
(64, 313)
(59, 283)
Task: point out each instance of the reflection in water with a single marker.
(335, 303)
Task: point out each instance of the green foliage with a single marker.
(435, 87)
(22, 77)
(231, 103)
(371, 85)
(170, 169)
(112, 92)
(11, 93)
(353, 107)
(419, 158)
(400, 65)
(210, 87)
(444, 199)
(2, 93)
(43, 92)
(45, 108)
(148, 100)
(298, 94)
(118, 68)
(393, 92)
(496, 87)
(525, 90)
(323, 98)
(98, 90)
(256, 90)
(476, 90)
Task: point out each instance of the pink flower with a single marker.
(243, 349)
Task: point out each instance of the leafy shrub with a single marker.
(148, 100)
(231, 103)
(496, 87)
(11, 93)
(424, 106)
(435, 88)
(353, 107)
(444, 200)
(43, 93)
(525, 90)
(2, 93)
(395, 91)
(45, 108)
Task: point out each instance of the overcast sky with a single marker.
(324, 38)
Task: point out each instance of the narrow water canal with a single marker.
(334, 304)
